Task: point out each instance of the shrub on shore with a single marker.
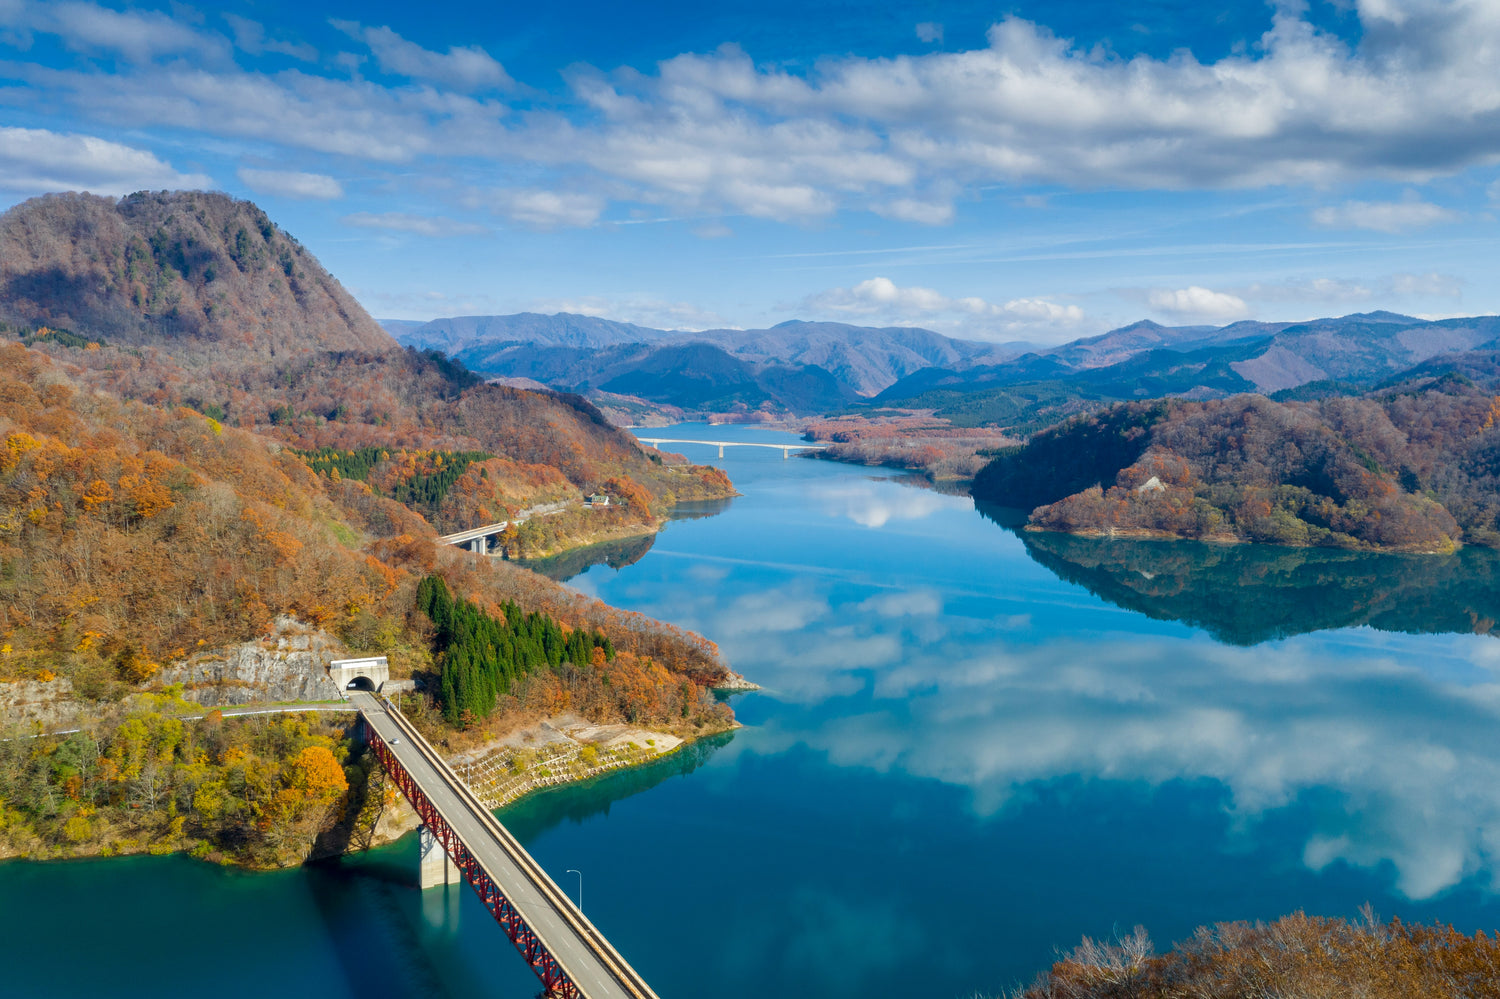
(1309, 957)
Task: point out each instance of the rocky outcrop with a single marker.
(291, 664)
(47, 705)
(736, 681)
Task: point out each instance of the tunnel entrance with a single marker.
(368, 674)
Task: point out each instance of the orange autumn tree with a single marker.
(317, 775)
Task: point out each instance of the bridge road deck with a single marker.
(592, 964)
(475, 533)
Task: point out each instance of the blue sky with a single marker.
(1030, 171)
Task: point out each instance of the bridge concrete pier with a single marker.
(435, 867)
(477, 546)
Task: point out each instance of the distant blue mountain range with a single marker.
(806, 367)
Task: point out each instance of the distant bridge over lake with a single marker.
(785, 449)
(476, 539)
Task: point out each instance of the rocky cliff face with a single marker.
(27, 704)
(289, 665)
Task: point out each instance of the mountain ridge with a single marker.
(915, 368)
(866, 359)
(206, 272)
(200, 300)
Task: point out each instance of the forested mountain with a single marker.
(204, 273)
(858, 360)
(471, 338)
(1340, 356)
(964, 382)
(1343, 356)
(1411, 467)
(137, 537)
(199, 300)
(863, 358)
(689, 376)
(202, 435)
(199, 534)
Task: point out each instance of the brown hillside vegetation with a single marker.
(919, 442)
(1298, 955)
(209, 272)
(189, 390)
(1412, 468)
(133, 534)
(199, 300)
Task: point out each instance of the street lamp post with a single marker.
(580, 887)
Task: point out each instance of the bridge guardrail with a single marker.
(531, 944)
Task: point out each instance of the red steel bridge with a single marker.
(567, 952)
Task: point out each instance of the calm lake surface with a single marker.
(974, 746)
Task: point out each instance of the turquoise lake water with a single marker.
(975, 745)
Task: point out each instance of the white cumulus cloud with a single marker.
(906, 136)
(464, 68)
(1383, 216)
(543, 209)
(881, 299)
(1197, 302)
(35, 161)
(291, 184)
(138, 36)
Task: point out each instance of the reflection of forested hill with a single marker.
(625, 551)
(615, 554)
(1246, 594)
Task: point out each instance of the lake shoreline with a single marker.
(622, 745)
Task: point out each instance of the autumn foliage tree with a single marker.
(259, 790)
(1408, 469)
(1309, 956)
(202, 433)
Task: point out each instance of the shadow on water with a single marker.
(1247, 594)
(382, 929)
(368, 905)
(544, 810)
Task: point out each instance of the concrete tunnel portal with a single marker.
(368, 674)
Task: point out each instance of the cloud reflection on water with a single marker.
(1397, 743)
(875, 503)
